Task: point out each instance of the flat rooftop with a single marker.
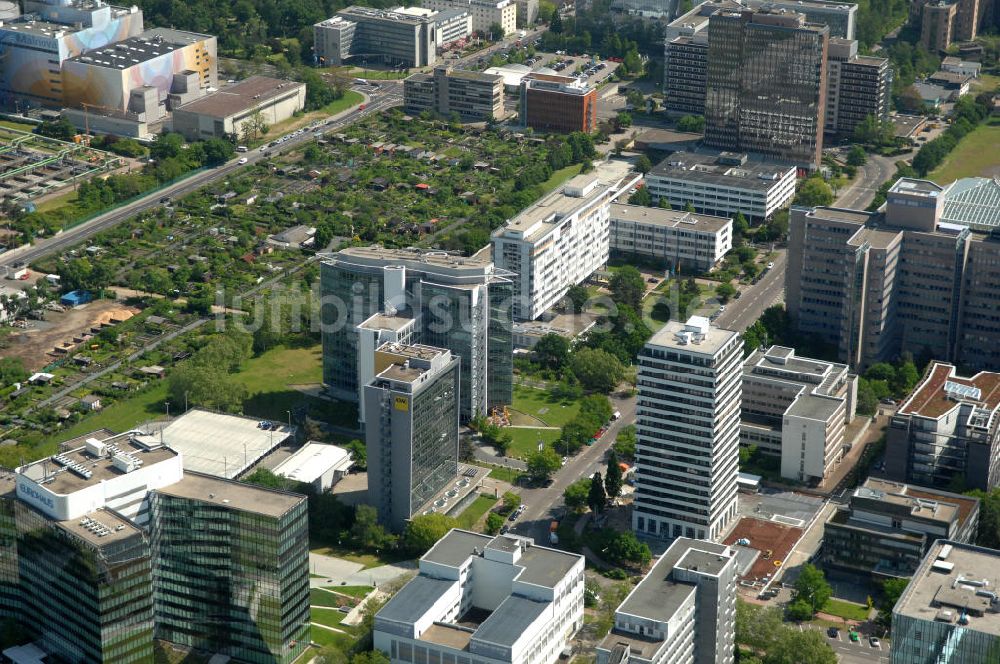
(934, 509)
(716, 169)
(312, 461)
(510, 620)
(449, 636)
(858, 217)
(966, 504)
(100, 528)
(658, 595)
(815, 406)
(142, 48)
(542, 217)
(705, 223)
(455, 548)
(234, 495)
(219, 444)
(356, 13)
(386, 322)
(544, 566)
(931, 399)
(705, 338)
(241, 96)
(64, 481)
(949, 582)
(472, 269)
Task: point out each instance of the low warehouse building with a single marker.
(317, 464)
(223, 113)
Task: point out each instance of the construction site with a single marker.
(33, 166)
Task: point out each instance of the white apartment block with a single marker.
(675, 238)
(480, 599)
(688, 424)
(562, 239)
(682, 612)
(484, 13)
(723, 184)
(797, 409)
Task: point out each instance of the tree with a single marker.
(542, 464)
(814, 192)
(552, 351)
(857, 156)
(597, 497)
(812, 587)
(800, 647)
(577, 494)
(627, 287)
(217, 151)
(494, 522)
(424, 530)
(643, 164)
(757, 626)
(800, 610)
(874, 131)
(626, 547)
(367, 531)
(892, 589)
(359, 453)
(725, 292)
(577, 296)
(496, 31)
(623, 120)
(510, 502)
(867, 399)
(369, 657)
(597, 369)
(740, 224)
(613, 476)
(691, 123)
(910, 101)
(556, 24)
(625, 442)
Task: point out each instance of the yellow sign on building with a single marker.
(401, 403)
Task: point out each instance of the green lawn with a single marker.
(560, 177)
(326, 638)
(509, 475)
(321, 597)
(471, 515)
(359, 592)
(349, 99)
(328, 617)
(977, 155)
(540, 404)
(526, 440)
(368, 560)
(122, 415)
(847, 610)
(56, 202)
(19, 126)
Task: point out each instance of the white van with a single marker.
(617, 415)
(241, 148)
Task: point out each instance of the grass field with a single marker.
(560, 177)
(354, 591)
(977, 155)
(509, 475)
(473, 514)
(847, 610)
(56, 202)
(328, 617)
(122, 415)
(327, 638)
(526, 440)
(320, 597)
(541, 405)
(19, 126)
(368, 560)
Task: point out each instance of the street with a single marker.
(388, 94)
(741, 314)
(870, 177)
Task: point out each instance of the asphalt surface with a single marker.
(545, 503)
(849, 652)
(388, 94)
(870, 177)
(743, 312)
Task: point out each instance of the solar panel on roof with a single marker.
(961, 390)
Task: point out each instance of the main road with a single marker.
(388, 94)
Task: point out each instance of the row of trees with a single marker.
(595, 492)
(968, 114)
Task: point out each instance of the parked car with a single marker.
(854, 636)
(874, 642)
(833, 632)
(770, 265)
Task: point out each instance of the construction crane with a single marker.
(86, 118)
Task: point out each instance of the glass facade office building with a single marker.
(231, 579)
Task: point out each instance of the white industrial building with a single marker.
(682, 612)
(688, 425)
(562, 239)
(725, 184)
(222, 445)
(317, 464)
(484, 13)
(485, 600)
(222, 114)
(797, 409)
(676, 239)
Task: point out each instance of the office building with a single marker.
(880, 283)
(115, 544)
(550, 102)
(946, 431)
(840, 17)
(503, 600)
(766, 85)
(685, 67)
(886, 528)
(527, 13)
(36, 44)
(857, 86)
(373, 295)
(392, 38)
(485, 13)
(473, 95)
(411, 429)
(675, 239)
(949, 612)
(972, 202)
(682, 612)
(725, 184)
(223, 113)
(688, 428)
(144, 75)
(452, 25)
(562, 239)
(797, 409)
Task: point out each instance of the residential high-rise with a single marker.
(766, 85)
(857, 86)
(562, 239)
(411, 429)
(949, 612)
(502, 600)
(682, 612)
(685, 66)
(462, 304)
(550, 102)
(485, 13)
(797, 409)
(905, 279)
(471, 94)
(110, 544)
(688, 427)
(231, 572)
(946, 431)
